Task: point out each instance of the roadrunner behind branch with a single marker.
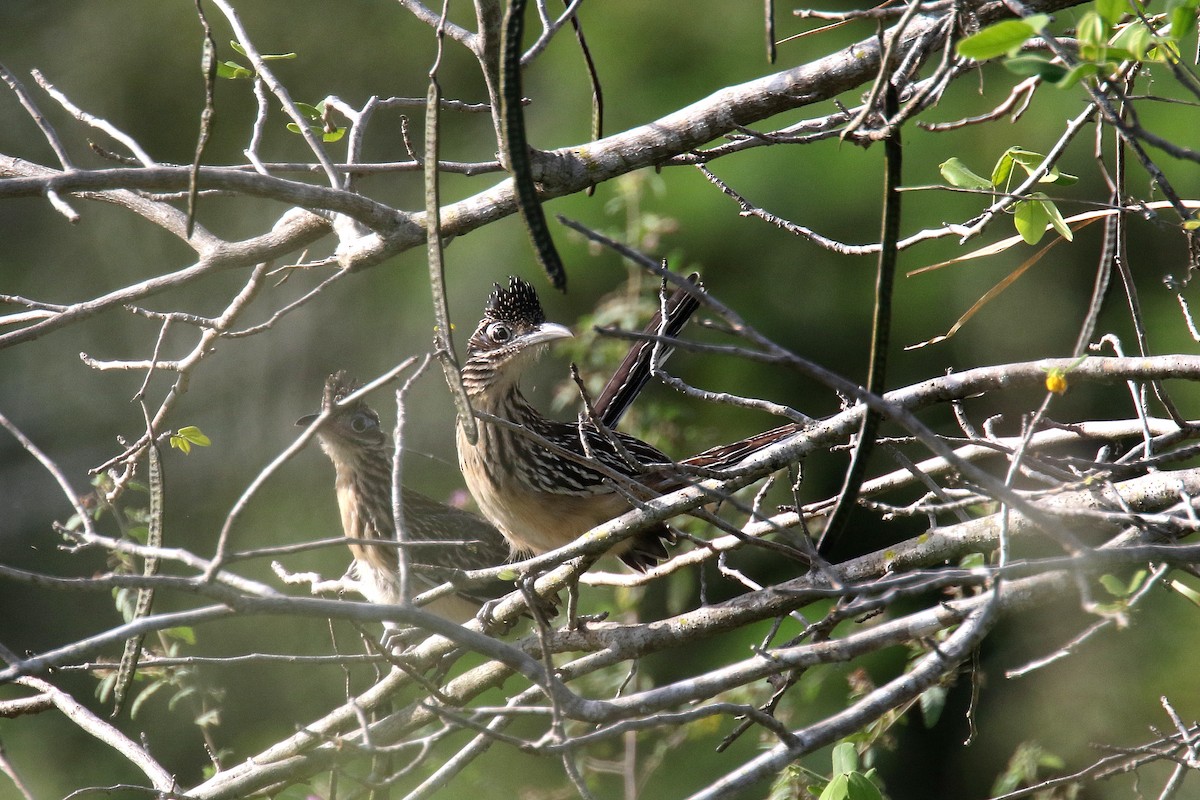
(539, 499)
(439, 536)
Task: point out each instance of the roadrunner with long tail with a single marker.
(539, 499)
(440, 537)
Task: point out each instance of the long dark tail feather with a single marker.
(649, 548)
(631, 376)
(727, 455)
(626, 383)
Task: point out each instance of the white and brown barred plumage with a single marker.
(439, 536)
(539, 499)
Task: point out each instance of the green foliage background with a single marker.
(135, 64)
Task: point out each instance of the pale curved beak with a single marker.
(547, 332)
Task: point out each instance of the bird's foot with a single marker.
(581, 621)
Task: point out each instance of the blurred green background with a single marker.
(135, 63)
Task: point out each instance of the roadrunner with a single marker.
(539, 499)
(440, 537)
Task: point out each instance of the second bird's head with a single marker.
(351, 427)
(512, 333)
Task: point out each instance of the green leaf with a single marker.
(1183, 18)
(1029, 161)
(1187, 591)
(182, 633)
(1037, 21)
(187, 436)
(143, 696)
(1113, 585)
(1163, 51)
(105, 687)
(861, 788)
(845, 758)
(847, 782)
(933, 702)
(180, 696)
(1060, 178)
(248, 73)
(1114, 56)
(1030, 218)
(838, 788)
(1134, 39)
(125, 601)
(1056, 219)
(1050, 761)
(312, 112)
(1033, 214)
(1002, 38)
(1092, 31)
(1035, 64)
(1122, 589)
(1003, 169)
(1136, 581)
(1023, 766)
(1111, 11)
(959, 174)
(232, 71)
(790, 783)
(195, 435)
(326, 136)
(508, 575)
(972, 561)
(1026, 159)
(851, 786)
(1077, 73)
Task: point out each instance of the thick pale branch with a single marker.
(160, 779)
(376, 216)
(614, 643)
(560, 172)
(295, 230)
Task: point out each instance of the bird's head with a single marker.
(513, 331)
(353, 425)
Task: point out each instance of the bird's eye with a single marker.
(499, 333)
(360, 423)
